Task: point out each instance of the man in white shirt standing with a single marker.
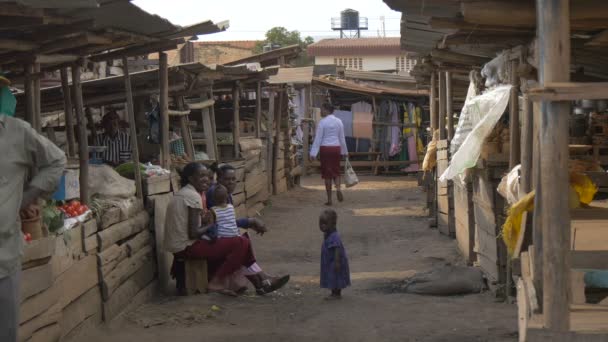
(330, 146)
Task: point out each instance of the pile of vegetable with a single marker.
(73, 209)
(127, 170)
(52, 217)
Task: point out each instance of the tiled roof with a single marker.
(239, 44)
(356, 46)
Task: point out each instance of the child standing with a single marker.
(335, 273)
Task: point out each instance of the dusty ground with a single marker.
(385, 232)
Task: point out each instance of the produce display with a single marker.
(127, 170)
(52, 217)
(73, 209)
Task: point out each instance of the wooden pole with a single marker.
(83, 144)
(163, 69)
(236, 118)
(306, 128)
(69, 115)
(213, 126)
(537, 232)
(553, 23)
(442, 106)
(210, 142)
(258, 110)
(433, 103)
(277, 143)
(185, 128)
(527, 145)
(132, 128)
(449, 104)
(30, 97)
(515, 136)
(37, 100)
(270, 162)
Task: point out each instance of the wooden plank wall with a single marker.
(464, 217)
(445, 197)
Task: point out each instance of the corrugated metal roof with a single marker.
(292, 75)
(356, 46)
(368, 88)
(378, 76)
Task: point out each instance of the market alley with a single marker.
(385, 231)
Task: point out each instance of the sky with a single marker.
(249, 20)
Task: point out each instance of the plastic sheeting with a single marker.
(490, 106)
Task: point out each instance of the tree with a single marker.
(283, 37)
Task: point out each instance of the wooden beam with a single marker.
(449, 104)
(569, 91)
(277, 140)
(68, 112)
(270, 153)
(514, 152)
(83, 144)
(258, 109)
(213, 125)
(185, 128)
(163, 77)
(17, 45)
(527, 144)
(30, 97)
(554, 53)
(210, 141)
(459, 24)
(37, 101)
(442, 106)
(458, 58)
(205, 103)
(306, 127)
(132, 129)
(55, 59)
(433, 103)
(137, 50)
(236, 118)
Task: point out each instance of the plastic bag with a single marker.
(350, 177)
(490, 105)
(509, 186)
(466, 121)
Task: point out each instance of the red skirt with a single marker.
(330, 161)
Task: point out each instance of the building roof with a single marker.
(356, 46)
(237, 44)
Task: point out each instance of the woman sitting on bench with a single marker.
(185, 226)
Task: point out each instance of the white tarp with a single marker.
(488, 106)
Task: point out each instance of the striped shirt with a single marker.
(225, 220)
(118, 148)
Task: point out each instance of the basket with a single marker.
(34, 227)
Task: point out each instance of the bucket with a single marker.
(34, 227)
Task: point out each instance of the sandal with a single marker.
(271, 286)
(224, 292)
(340, 196)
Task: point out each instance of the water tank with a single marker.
(349, 19)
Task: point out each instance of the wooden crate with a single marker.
(157, 185)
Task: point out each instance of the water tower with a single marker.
(349, 24)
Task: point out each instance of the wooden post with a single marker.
(270, 160)
(83, 144)
(185, 128)
(442, 106)
(69, 115)
(306, 128)
(527, 145)
(433, 104)
(449, 105)
(537, 232)
(165, 150)
(258, 110)
(236, 97)
(553, 24)
(277, 142)
(132, 128)
(514, 153)
(37, 100)
(210, 141)
(30, 97)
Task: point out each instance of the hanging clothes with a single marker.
(347, 121)
(361, 107)
(395, 131)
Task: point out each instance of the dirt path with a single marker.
(385, 232)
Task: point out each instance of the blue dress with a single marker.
(329, 278)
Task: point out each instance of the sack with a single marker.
(350, 177)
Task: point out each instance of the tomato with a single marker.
(28, 237)
(72, 212)
(81, 210)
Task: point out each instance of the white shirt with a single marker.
(176, 220)
(330, 132)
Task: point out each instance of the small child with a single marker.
(224, 214)
(335, 274)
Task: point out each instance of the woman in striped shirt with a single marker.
(118, 143)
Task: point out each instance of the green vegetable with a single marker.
(127, 170)
(52, 218)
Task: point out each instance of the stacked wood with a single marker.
(255, 177)
(239, 191)
(125, 262)
(445, 196)
(282, 166)
(489, 217)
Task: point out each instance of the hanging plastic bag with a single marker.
(350, 177)
(490, 105)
